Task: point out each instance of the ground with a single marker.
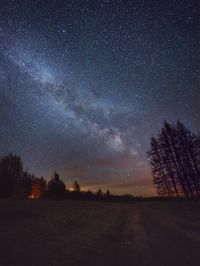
(72, 233)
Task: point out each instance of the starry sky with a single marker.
(84, 84)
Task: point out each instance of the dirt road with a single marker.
(38, 233)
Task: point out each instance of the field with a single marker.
(39, 233)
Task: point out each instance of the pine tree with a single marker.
(175, 161)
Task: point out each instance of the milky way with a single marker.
(85, 84)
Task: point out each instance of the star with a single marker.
(90, 85)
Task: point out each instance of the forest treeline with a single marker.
(175, 161)
(19, 184)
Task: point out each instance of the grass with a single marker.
(41, 232)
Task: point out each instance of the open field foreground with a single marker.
(96, 233)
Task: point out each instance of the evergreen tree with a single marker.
(76, 186)
(99, 192)
(56, 187)
(11, 171)
(174, 157)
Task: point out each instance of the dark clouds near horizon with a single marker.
(85, 84)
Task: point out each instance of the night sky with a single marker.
(85, 84)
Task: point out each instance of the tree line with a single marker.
(174, 157)
(17, 183)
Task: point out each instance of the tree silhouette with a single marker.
(11, 171)
(174, 157)
(76, 186)
(107, 192)
(38, 188)
(56, 187)
(23, 185)
(99, 193)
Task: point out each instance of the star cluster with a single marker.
(85, 84)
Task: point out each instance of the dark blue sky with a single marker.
(85, 84)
